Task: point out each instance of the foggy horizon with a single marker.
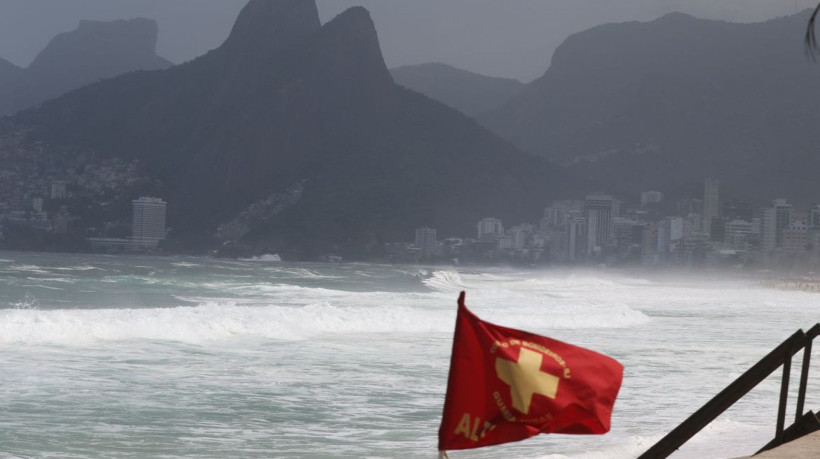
(524, 33)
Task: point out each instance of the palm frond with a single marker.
(810, 40)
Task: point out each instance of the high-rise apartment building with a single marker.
(490, 228)
(738, 210)
(795, 237)
(768, 231)
(814, 217)
(426, 242)
(775, 220)
(147, 222)
(598, 212)
(737, 234)
(783, 217)
(651, 197)
(571, 241)
(711, 208)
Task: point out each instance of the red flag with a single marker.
(507, 385)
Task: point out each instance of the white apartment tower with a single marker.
(147, 222)
(426, 241)
(651, 197)
(490, 228)
(775, 220)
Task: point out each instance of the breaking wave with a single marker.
(444, 281)
(338, 313)
(207, 322)
(266, 257)
(79, 268)
(26, 268)
(731, 438)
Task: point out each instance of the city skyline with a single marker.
(595, 230)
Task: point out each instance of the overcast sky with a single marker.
(510, 38)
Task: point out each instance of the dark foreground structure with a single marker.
(804, 422)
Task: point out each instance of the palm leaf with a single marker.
(810, 40)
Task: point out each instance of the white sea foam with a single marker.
(305, 273)
(628, 448)
(27, 268)
(65, 280)
(297, 315)
(79, 268)
(206, 323)
(42, 286)
(444, 281)
(28, 302)
(367, 367)
(266, 257)
(731, 438)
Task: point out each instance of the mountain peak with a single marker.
(263, 24)
(355, 23)
(95, 50)
(145, 26)
(676, 17)
(350, 48)
(112, 41)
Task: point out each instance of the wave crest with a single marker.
(444, 281)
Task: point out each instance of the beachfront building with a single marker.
(426, 242)
(651, 197)
(599, 213)
(795, 238)
(147, 222)
(521, 235)
(711, 190)
(775, 220)
(490, 228)
(737, 235)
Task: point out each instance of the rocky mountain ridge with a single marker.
(284, 103)
(94, 51)
(661, 104)
(472, 93)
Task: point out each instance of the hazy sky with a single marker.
(511, 38)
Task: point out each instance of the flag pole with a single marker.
(442, 454)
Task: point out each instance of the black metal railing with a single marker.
(781, 355)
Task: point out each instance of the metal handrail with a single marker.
(781, 355)
(813, 332)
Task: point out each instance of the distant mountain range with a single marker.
(94, 51)
(293, 137)
(469, 92)
(662, 104)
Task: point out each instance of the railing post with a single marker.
(784, 395)
(804, 380)
(731, 394)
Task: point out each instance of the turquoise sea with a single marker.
(135, 357)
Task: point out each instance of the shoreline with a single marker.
(805, 284)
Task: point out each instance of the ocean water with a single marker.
(133, 357)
